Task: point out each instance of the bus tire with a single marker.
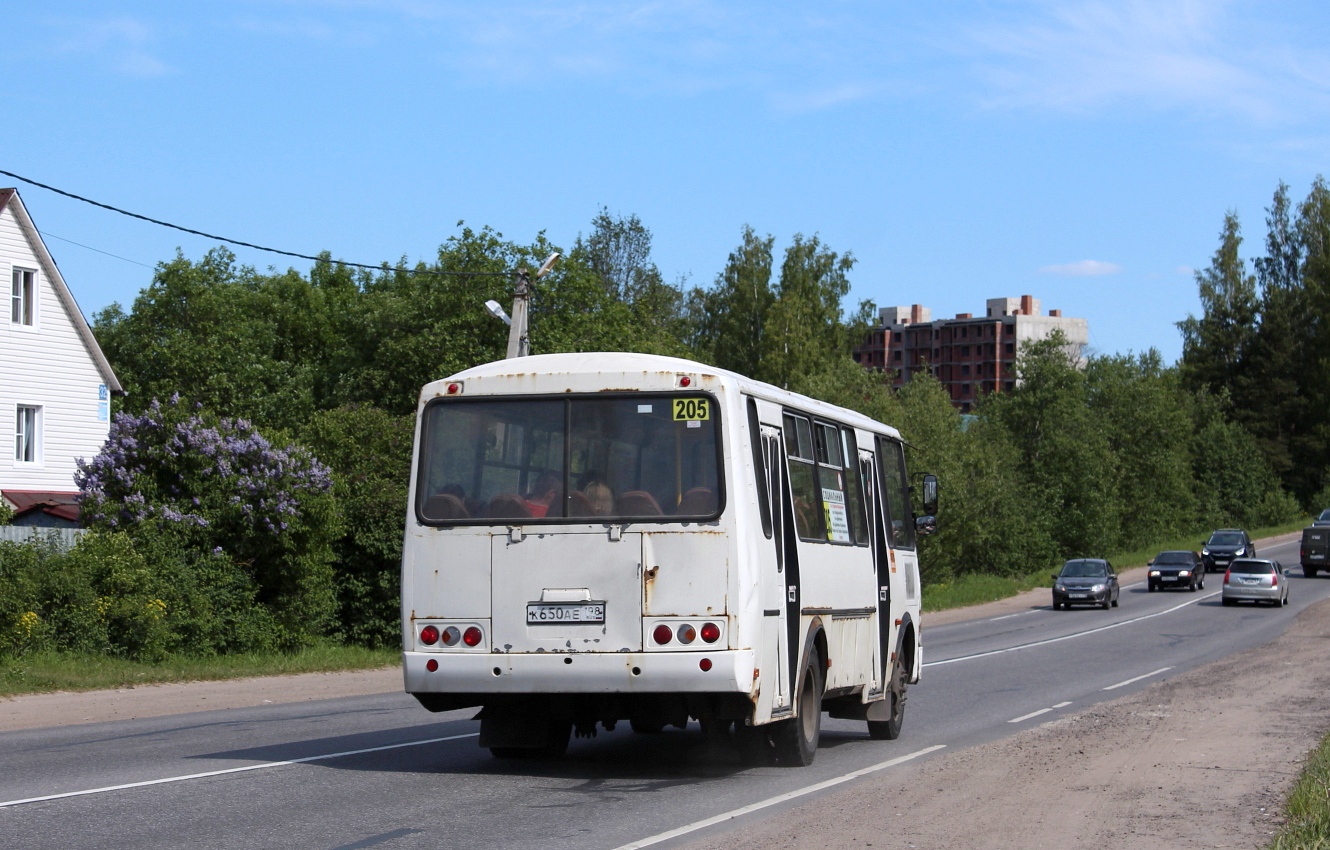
(796, 739)
(890, 729)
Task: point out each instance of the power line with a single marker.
(379, 267)
(90, 248)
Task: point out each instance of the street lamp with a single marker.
(497, 311)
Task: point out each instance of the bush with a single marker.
(241, 522)
(369, 451)
(140, 601)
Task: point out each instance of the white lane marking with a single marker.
(993, 652)
(1009, 616)
(248, 767)
(1031, 714)
(1024, 717)
(772, 801)
(1138, 678)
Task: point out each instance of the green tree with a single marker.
(1063, 446)
(219, 335)
(804, 326)
(1216, 346)
(1149, 431)
(731, 317)
(369, 451)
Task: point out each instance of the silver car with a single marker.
(1255, 580)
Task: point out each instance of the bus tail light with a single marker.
(451, 636)
(687, 634)
(472, 636)
(662, 634)
(432, 665)
(710, 632)
(704, 664)
(429, 635)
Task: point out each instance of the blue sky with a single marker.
(1081, 152)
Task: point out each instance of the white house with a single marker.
(56, 385)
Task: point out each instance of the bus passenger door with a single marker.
(886, 630)
(776, 581)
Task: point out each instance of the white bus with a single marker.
(593, 538)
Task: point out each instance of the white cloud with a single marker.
(121, 43)
(1203, 56)
(1084, 268)
(1186, 271)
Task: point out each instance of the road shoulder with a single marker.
(1205, 759)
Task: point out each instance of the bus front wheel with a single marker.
(796, 739)
(890, 729)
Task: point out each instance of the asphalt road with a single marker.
(382, 772)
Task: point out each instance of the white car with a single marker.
(1255, 580)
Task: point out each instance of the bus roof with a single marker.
(541, 373)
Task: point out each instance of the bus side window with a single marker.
(896, 492)
(854, 489)
(759, 468)
(803, 478)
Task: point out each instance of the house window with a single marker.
(27, 434)
(24, 297)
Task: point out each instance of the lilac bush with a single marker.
(222, 492)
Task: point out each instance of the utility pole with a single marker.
(519, 331)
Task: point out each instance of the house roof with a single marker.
(9, 199)
(56, 504)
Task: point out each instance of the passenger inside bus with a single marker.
(600, 498)
(547, 492)
(699, 501)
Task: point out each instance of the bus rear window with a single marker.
(602, 459)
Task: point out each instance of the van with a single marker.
(1315, 550)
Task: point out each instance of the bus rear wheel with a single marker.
(796, 739)
(890, 729)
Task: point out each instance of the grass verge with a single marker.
(976, 588)
(53, 671)
(1308, 808)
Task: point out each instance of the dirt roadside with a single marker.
(1201, 760)
(1205, 759)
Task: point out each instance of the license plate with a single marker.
(1316, 557)
(554, 613)
(1078, 596)
(1168, 578)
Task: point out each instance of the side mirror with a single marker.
(927, 492)
(1150, 563)
(1056, 576)
(925, 524)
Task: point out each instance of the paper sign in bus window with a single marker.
(838, 520)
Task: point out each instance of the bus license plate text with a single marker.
(543, 613)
